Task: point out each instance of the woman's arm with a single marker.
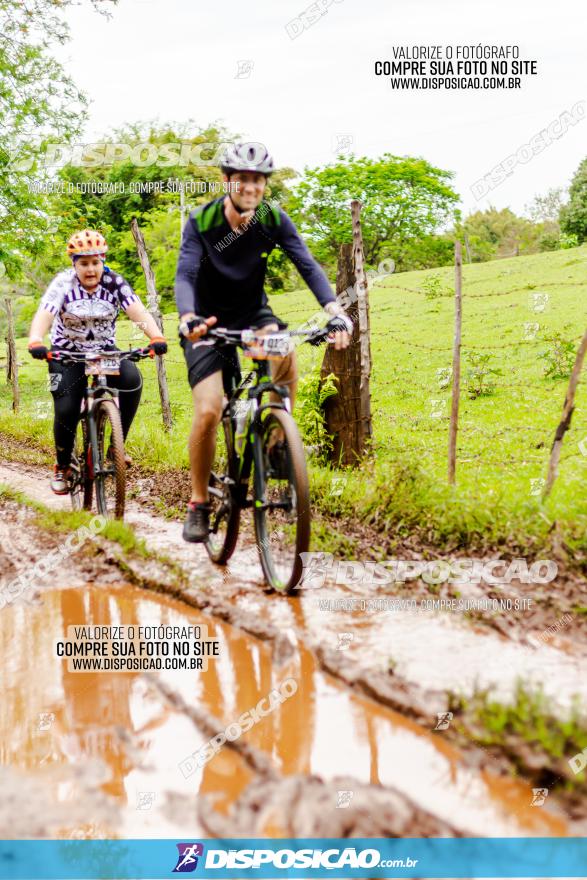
(41, 324)
(137, 312)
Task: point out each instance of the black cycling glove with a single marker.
(38, 351)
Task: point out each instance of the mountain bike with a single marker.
(262, 438)
(98, 458)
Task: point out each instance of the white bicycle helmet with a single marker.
(247, 157)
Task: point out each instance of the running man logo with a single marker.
(187, 860)
(344, 641)
(145, 800)
(538, 301)
(46, 719)
(343, 143)
(344, 799)
(539, 795)
(317, 566)
(444, 719)
(244, 68)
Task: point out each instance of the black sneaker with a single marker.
(277, 456)
(197, 523)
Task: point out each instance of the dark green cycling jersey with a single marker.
(222, 273)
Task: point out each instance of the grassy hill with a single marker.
(512, 312)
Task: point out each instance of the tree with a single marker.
(106, 193)
(37, 99)
(573, 216)
(547, 208)
(492, 234)
(403, 199)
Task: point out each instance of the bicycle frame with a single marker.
(252, 426)
(242, 439)
(97, 390)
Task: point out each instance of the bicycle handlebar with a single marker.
(64, 356)
(244, 338)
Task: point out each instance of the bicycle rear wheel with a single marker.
(111, 483)
(81, 464)
(225, 513)
(282, 501)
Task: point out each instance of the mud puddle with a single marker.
(446, 654)
(108, 754)
(438, 651)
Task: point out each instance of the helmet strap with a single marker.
(232, 201)
(235, 206)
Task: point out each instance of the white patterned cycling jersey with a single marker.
(86, 321)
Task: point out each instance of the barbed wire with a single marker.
(428, 430)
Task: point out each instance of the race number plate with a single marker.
(274, 345)
(103, 366)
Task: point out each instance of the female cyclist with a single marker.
(81, 306)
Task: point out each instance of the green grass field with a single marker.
(510, 310)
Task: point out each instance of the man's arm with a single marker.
(296, 249)
(188, 267)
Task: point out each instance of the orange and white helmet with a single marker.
(87, 243)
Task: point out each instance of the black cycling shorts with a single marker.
(203, 359)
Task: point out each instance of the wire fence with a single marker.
(512, 390)
(516, 359)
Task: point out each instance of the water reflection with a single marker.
(52, 718)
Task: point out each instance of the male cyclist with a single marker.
(220, 276)
(81, 305)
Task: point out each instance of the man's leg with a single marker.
(284, 371)
(207, 396)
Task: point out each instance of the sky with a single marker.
(172, 60)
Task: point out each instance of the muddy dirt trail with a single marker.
(110, 754)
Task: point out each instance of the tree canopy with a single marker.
(37, 101)
(403, 199)
(573, 217)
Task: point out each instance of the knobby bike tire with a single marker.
(107, 412)
(220, 551)
(299, 479)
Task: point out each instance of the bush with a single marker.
(480, 375)
(559, 357)
(568, 240)
(309, 411)
(433, 288)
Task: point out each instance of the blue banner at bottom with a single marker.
(304, 858)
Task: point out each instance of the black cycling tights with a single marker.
(68, 383)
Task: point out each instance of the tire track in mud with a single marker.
(242, 601)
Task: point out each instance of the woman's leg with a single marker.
(130, 386)
(67, 385)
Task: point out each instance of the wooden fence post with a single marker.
(565, 422)
(348, 413)
(11, 357)
(364, 329)
(153, 305)
(456, 364)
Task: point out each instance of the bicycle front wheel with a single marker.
(282, 500)
(111, 481)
